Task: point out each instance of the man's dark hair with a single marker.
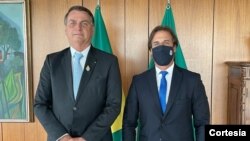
(78, 8)
(162, 28)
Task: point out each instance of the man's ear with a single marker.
(93, 30)
(150, 52)
(175, 48)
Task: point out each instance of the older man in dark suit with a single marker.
(79, 92)
(166, 97)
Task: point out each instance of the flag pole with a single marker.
(168, 5)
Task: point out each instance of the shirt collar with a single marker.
(84, 52)
(169, 70)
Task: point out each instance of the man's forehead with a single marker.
(163, 35)
(77, 12)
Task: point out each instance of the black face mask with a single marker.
(163, 55)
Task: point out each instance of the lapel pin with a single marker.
(87, 68)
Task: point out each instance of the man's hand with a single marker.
(66, 138)
(69, 138)
(77, 139)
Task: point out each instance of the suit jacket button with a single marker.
(74, 108)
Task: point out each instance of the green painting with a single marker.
(14, 79)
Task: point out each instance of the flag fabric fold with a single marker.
(101, 41)
(100, 38)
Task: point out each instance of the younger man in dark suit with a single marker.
(166, 97)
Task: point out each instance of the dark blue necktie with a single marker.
(77, 72)
(163, 91)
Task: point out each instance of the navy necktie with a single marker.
(77, 72)
(163, 91)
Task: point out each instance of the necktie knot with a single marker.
(78, 56)
(163, 73)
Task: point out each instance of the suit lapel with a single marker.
(151, 79)
(175, 84)
(87, 71)
(67, 70)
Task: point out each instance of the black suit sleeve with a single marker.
(130, 114)
(200, 108)
(43, 104)
(112, 108)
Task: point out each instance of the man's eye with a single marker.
(72, 23)
(85, 24)
(155, 44)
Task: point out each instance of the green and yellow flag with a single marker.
(100, 40)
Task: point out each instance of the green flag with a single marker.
(168, 20)
(100, 40)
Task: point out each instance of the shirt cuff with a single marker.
(62, 136)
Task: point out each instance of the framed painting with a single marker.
(15, 62)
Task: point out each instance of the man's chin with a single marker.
(78, 38)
